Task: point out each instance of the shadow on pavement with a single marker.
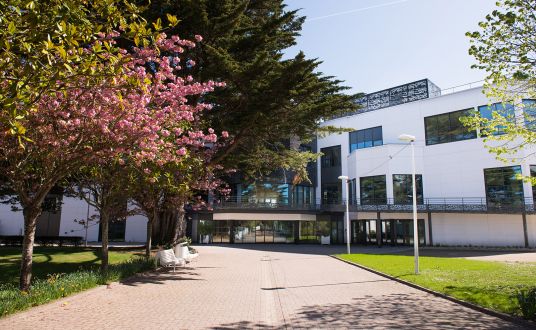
(164, 276)
(392, 311)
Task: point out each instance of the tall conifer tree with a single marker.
(269, 98)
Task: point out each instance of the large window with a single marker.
(366, 138)
(447, 127)
(503, 187)
(403, 188)
(331, 193)
(504, 109)
(303, 195)
(372, 190)
(529, 109)
(331, 156)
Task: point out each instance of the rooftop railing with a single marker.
(442, 205)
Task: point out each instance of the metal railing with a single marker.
(443, 204)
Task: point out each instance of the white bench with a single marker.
(183, 252)
(166, 258)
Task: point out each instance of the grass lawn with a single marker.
(56, 260)
(60, 272)
(490, 284)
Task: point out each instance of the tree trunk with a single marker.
(104, 221)
(150, 221)
(30, 222)
(179, 224)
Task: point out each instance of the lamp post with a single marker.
(343, 179)
(411, 140)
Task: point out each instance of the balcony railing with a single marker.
(443, 205)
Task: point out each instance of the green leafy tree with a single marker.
(269, 99)
(505, 48)
(43, 47)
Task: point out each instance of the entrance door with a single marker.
(359, 232)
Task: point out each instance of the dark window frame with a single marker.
(505, 107)
(507, 200)
(375, 200)
(329, 157)
(409, 190)
(447, 134)
(359, 140)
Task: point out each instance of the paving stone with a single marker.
(264, 286)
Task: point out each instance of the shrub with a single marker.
(62, 285)
(527, 303)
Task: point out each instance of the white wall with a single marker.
(452, 169)
(77, 209)
(449, 170)
(11, 223)
(136, 229)
(478, 229)
(72, 208)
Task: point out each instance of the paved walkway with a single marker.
(255, 287)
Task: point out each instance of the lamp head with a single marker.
(406, 137)
(343, 177)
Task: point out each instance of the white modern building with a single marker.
(465, 196)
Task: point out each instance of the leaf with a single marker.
(11, 28)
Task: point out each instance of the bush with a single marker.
(62, 285)
(527, 303)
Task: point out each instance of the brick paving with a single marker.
(276, 286)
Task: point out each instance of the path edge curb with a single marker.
(506, 317)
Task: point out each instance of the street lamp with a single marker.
(344, 178)
(411, 140)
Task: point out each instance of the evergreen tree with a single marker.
(269, 99)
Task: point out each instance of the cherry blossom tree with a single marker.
(98, 123)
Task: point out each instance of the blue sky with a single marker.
(377, 44)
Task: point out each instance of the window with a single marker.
(447, 127)
(529, 109)
(504, 109)
(366, 138)
(303, 195)
(533, 174)
(372, 190)
(503, 187)
(331, 193)
(331, 156)
(403, 188)
(351, 191)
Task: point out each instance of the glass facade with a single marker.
(447, 127)
(504, 109)
(304, 195)
(366, 138)
(391, 232)
(373, 190)
(331, 156)
(529, 109)
(270, 231)
(266, 193)
(352, 188)
(403, 188)
(331, 193)
(504, 187)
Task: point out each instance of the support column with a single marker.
(525, 230)
(430, 229)
(378, 230)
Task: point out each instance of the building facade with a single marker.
(465, 196)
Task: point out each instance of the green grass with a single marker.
(59, 272)
(490, 284)
(54, 260)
